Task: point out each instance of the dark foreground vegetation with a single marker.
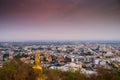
(17, 70)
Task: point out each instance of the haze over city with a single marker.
(22, 20)
(59, 39)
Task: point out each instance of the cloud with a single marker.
(68, 19)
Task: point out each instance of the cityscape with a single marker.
(59, 39)
(84, 55)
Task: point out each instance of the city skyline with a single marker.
(22, 20)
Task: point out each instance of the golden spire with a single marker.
(37, 68)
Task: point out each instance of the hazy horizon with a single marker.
(27, 20)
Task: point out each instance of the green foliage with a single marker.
(55, 74)
(69, 75)
(20, 56)
(105, 74)
(52, 74)
(17, 70)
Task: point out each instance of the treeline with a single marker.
(17, 70)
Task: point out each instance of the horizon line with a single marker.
(51, 40)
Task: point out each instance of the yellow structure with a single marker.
(115, 64)
(37, 68)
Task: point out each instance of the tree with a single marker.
(16, 70)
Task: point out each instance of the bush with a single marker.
(17, 70)
(105, 74)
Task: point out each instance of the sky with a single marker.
(22, 20)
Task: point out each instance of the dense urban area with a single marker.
(82, 56)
